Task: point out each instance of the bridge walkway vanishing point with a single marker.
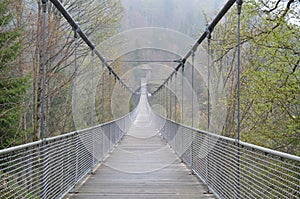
(142, 166)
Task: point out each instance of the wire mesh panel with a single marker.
(223, 167)
(20, 172)
(199, 153)
(234, 169)
(185, 141)
(52, 167)
(57, 165)
(268, 173)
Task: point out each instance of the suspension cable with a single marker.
(44, 26)
(210, 27)
(74, 79)
(92, 108)
(102, 93)
(193, 69)
(93, 87)
(160, 103)
(166, 100)
(170, 98)
(182, 72)
(239, 5)
(182, 131)
(84, 37)
(239, 10)
(74, 106)
(175, 103)
(208, 108)
(144, 61)
(208, 79)
(43, 187)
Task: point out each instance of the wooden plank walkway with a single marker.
(142, 166)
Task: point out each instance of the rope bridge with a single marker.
(229, 168)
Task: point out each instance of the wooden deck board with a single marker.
(142, 167)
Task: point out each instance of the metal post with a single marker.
(239, 10)
(42, 132)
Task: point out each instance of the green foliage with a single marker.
(9, 45)
(12, 84)
(270, 74)
(271, 87)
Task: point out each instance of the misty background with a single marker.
(189, 17)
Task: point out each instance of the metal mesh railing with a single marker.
(231, 169)
(51, 168)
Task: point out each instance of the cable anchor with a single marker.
(208, 32)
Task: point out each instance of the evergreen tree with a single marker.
(12, 82)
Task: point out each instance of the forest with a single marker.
(270, 84)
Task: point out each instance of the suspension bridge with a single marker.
(144, 154)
